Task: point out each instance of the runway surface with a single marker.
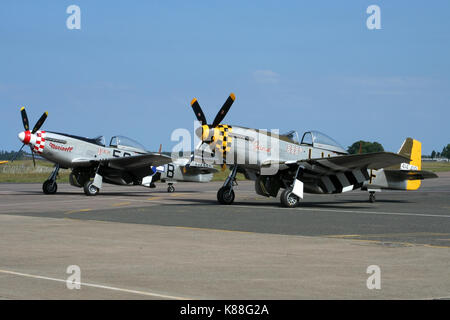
(134, 242)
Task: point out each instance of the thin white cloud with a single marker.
(266, 76)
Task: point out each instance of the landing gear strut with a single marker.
(225, 195)
(50, 186)
(372, 198)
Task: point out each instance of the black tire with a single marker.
(50, 187)
(288, 199)
(372, 198)
(225, 195)
(170, 189)
(89, 189)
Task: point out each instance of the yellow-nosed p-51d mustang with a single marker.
(123, 162)
(314, 164)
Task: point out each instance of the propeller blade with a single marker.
(198, 111)
(160, 148)
(25, 122)
(32, 155)
(224, 110)
(40, 122)
(17, 153)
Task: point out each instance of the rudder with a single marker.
(412, 149)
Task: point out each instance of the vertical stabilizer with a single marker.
(412, 149)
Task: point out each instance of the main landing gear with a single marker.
(50, 186)
(225, 195)
(288, 199)
(90, 189)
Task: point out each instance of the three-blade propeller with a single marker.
(26, 126)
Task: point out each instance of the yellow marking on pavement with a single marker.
(119, 204)
(77, 210)
(343, 236)
(435, 246)
(178, 194)
(154, 198)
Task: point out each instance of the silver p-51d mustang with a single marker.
(314, 164)
(123, 162)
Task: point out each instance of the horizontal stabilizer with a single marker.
(400, 175)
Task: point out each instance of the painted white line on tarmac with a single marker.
(144, 293)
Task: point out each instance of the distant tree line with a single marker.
(365, 147)
(445, 153)
(8, 155)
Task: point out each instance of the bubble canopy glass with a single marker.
(123, 142)
(318, 139)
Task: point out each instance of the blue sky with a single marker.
(134, 66)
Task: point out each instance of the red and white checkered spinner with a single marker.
(35, 140)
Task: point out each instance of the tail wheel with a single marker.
(170, 189)
(288, 199)
(372, 198)
(90, 189)
(49, 187)
(225, 195)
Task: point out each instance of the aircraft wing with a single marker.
(129, 163)
(410, 174)
(194, 170)
(135, 162)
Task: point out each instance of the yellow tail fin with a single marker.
(412, 149)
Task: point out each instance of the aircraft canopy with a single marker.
(318, 139)
(126, 143)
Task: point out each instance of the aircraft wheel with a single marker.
(90, 189)
(170, 189)
(225, 195)
(288, 199)
(49, 187)
(372, 198)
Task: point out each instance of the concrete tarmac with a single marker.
(138, 243)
